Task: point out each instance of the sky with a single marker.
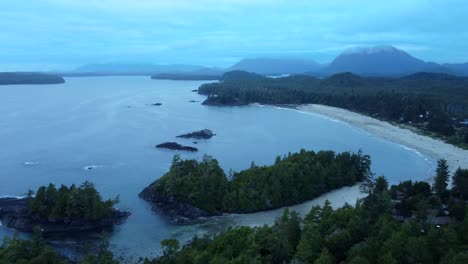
(64, 34)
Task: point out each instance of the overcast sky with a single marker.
(62, 34)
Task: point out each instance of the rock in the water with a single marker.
(195, 90)
(176, 146)
(156, 104)
(202, 134)
(14, 213)
(193, 101)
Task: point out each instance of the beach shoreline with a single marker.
(433, 148)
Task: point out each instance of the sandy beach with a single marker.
(436, 149)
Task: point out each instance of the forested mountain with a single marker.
(436, 103)
(380, 61)
(268, 66)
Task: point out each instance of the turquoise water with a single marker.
(52, 133)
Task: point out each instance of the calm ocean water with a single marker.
(56, 133)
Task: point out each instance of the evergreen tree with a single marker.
(441, 178)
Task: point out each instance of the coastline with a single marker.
(433, 148)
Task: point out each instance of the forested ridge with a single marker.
(435, 103)
(292, 179)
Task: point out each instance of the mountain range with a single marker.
(366, 61)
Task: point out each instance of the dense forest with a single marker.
(28, 251)
(371, 232)
(400, 224)
(15, 250)
(74, 202)
(435, 103)
(7, 78)
(292, 179)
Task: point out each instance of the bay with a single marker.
(103, 129)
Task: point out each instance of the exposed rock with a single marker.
(202, 134)
(14, 213)
(195, 90)
(178, 213)
(176, 146)
(156, 104)
(193, 101)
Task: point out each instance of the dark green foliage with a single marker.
(19, 251)
(441, 178)
(460, 183)
(441, 123)
(103, 256)
(427, 101)
(291, 180)
(82, 202)
(202, 184)
(345, 235)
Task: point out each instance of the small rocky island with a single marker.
(66, 209)
(10, 78)
(176, 146)
(202, 134)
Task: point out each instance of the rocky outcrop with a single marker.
(202, 134)
(14, 213)
(178, 213)
(176, 146)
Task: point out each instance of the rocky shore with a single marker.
(178, 213)
(14, 213)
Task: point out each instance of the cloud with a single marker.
(215, 32)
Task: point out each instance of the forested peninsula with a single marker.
(406, 223)
(436, 104)
(10, 78)
(193, 190)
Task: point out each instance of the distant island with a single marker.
(192, 190)
(185, 77)
(434, 103)
(64, 209)
(11, 78)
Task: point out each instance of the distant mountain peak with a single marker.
(372, 50)
(380, 61)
